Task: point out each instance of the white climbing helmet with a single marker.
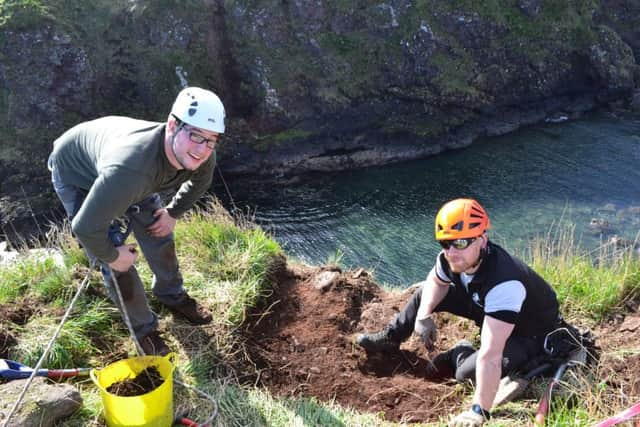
(199, 108)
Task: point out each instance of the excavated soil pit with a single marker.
(301, 341)
(304, 346)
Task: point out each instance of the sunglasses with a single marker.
(459, 244)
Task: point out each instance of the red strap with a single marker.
(622, 416)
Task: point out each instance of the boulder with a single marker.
(325, 280)
(43, 404)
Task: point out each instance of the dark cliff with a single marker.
(308, 84)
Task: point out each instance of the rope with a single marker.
(235, 208)
(50, 345)
(214, 412)
(127, 321)
(123, 311)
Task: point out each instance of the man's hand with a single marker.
(163, 225)
(127, 255)
(426, 329)
(467, 419)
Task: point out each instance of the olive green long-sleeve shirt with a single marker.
(120, 161)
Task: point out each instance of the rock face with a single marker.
(43, 404)
(309, 85)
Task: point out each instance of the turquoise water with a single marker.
(381, 218)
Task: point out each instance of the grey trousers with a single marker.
(160, 254)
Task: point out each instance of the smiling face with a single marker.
(188, 147)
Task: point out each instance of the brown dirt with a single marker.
(303, 346)
(301, 342)
(18, 312)
(146, 381)
(7, 340)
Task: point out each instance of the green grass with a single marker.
(74, 346)
(226, 263)
(40, 277)
(589, 285)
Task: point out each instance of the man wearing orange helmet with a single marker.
(474, 278)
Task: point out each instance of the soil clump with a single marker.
(146, 381)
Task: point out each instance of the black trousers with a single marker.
(517, 352)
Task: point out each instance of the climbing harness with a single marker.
(574, 348)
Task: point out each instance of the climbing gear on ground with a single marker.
(577, 357)
(199, 108)
(12, 370)
(621, 417)
(461, 219)
(378, 342)
(566, 339)
(153, 345)
(512, 386)
(191, 310)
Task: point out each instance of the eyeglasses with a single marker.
(196, 138)
(459, 244)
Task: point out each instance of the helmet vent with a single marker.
(458, 226)
(194, 108)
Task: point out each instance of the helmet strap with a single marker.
(483, 252)
(481, 255)
(173, 143)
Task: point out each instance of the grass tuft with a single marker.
(589, 285)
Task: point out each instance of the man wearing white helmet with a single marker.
(116, 166)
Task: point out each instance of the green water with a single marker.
(381, 218)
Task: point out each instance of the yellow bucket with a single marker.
(153, 409)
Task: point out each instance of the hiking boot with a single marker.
(189, 309)
(153, 345)
(378, 342)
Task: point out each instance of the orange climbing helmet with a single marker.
(461, 219)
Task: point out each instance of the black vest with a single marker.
(539, 313)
